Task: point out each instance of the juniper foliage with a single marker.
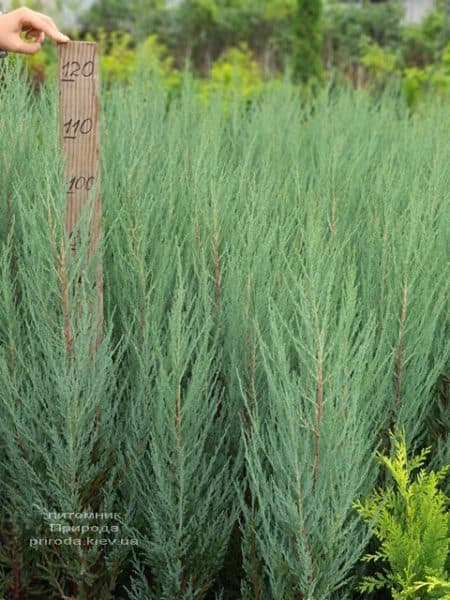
(276, 283)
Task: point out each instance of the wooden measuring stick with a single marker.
(80, 143)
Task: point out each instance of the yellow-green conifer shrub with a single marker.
(235, 74)
(121, 60)
(411, 521)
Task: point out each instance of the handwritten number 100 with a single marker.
(80, 183)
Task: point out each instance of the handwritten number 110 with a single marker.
(72, 127)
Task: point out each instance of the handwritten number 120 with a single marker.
(74, 69)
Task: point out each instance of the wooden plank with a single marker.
(78, 76)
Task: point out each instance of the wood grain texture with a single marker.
(78, 77)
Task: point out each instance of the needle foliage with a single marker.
(275, 300)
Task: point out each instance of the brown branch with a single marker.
(250, 342)
(400, 350)
(11, 359)
(65, 300)
(254, 563)
(253, 367)
(332, 222)
(303, 530)
(51, 227)
(197, 235)
(319, 410)
(16, 569)
(247, 299)
(178, 419)
(217, 272)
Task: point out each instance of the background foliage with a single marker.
(365, 45)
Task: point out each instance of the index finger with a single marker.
(44, 24)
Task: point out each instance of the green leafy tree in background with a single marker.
(308, 45)
(108, 14)
(345, 26)
(138, 17)
(200, 31)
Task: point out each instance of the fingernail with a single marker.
(65, 37)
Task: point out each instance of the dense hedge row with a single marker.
(276, 282)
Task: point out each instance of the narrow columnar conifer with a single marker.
(307, 41)
(276, 299)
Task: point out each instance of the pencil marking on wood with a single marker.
(80, 143)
